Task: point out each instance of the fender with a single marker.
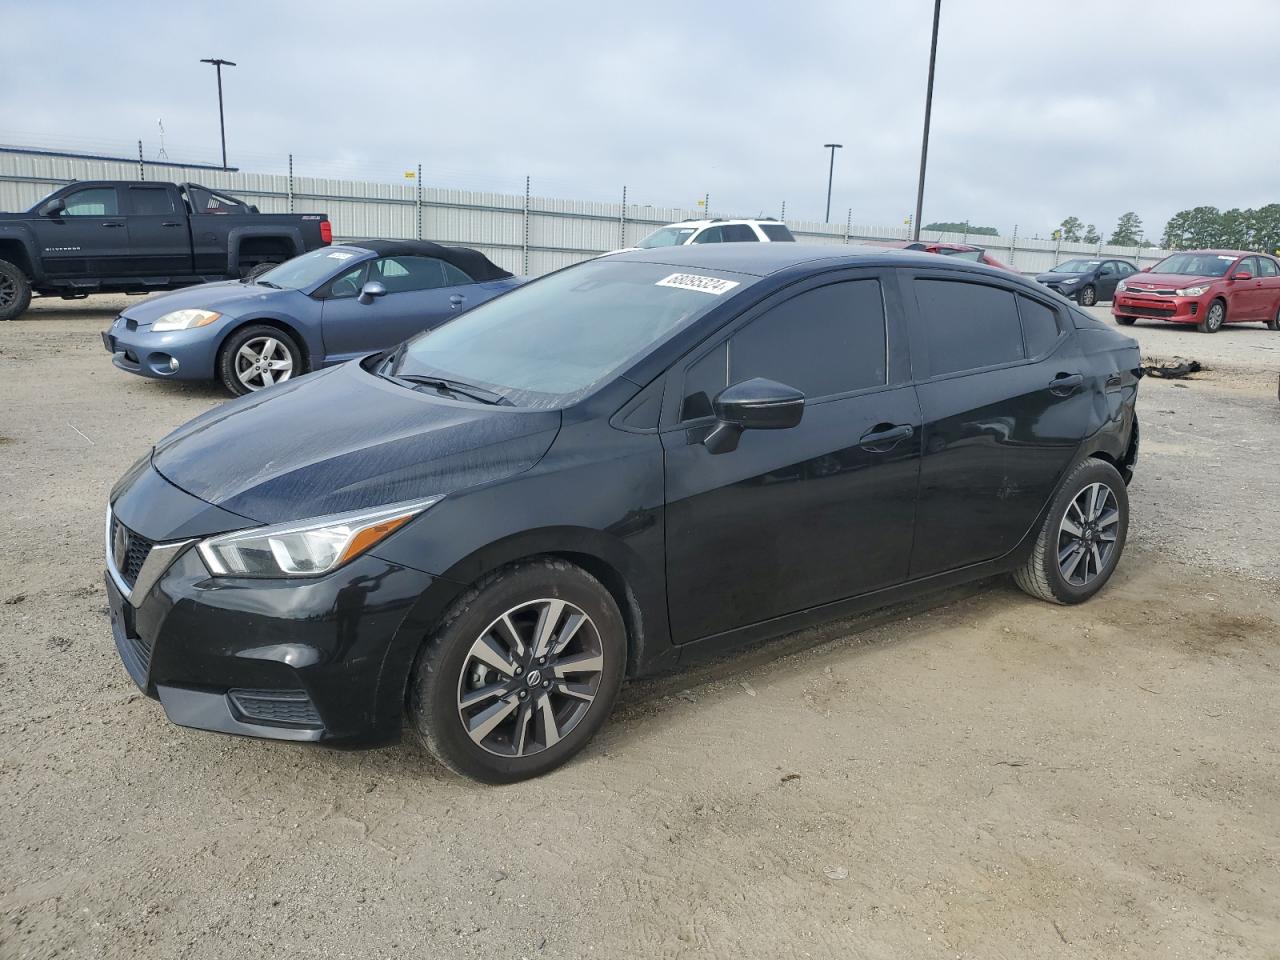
(16, 236)
(292, 235)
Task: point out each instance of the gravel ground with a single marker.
(978, 775)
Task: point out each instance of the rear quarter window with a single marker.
(777, 232)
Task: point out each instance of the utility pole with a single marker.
(928, 110)
(831, 169)
(218, 64)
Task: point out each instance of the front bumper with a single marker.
(135, 349)
(1156, 307)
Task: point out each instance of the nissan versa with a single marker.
(603, 473)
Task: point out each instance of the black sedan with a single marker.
(617, 468)
(1087, 281)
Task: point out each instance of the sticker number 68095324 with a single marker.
(692, 281)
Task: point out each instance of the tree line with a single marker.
(1200, 228)
(1128, 232)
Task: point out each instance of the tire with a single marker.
(1087, 296)
(1274, 322)
(257, 270)
(1055, 571)
(240, 375)
(1125, 321)
(1213, 318)
(521, 744)
(15, 291)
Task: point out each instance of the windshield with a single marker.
(547, 343)
(1195, 264)
(974, 255)
(310, 268)
(1077, 266)
(666, 237)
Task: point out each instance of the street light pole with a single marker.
(218, 64)
(831, 169)
(928, 110)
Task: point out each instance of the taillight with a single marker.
(326, 232)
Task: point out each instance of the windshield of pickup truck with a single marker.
(311, 268)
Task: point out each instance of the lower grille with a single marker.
(291, 707)
(1136, 311)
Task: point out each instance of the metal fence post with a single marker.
(419, 201)
(622, 219)
(1013, 244)
(848, 225)
(291, 183)
(706, 204)
(142, 171)
(525, 243)
(1057, 251)
(783, 215)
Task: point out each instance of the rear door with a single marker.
(87, 239)
(808, 515)
(159, 243)
(1248, 299)
(1269, 273)
(422, 292)
(1002, 394)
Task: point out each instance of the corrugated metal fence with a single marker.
(523, 233)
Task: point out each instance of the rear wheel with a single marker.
(15, 291)
(256, 357)
(1274, 322)
(1081, 538)
(1087, 297)
(522, 673)
(1213, 318)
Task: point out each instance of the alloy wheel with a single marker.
(1088, 297)
(530, 678)
(1216, 312)
(262, 361)
(1087, 534)
(8, 292)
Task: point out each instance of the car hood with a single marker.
(1163, 281)
(226, 296)
(343, 439)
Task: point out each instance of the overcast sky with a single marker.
(1041, 110)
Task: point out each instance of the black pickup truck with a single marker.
(98, 236)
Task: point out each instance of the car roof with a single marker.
(1225, 253)
(721, 221)
(763, 259)
(471, 262)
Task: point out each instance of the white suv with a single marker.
(717, 231)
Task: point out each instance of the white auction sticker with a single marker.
(692, 281)
(339, 255)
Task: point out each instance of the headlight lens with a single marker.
(184, 320)
(1122, 285)
(1070, 280)
(309, 548)
(1192, 291)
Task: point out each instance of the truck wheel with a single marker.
(255, 357)
(15, 291)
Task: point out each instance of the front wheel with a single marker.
(1213, 318)
(522, 673)
(15, 291)
(1087, 297)
(255, 357)
(1081, 538)
(1125, 321)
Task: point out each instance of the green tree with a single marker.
(1193, 229)
(1128, 230)
(1070, 229)
(964, 226)
(1266, 228)
(1091, 235)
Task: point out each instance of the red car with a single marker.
(1204, 287)
(961, 250)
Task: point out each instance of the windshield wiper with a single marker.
(268, 283)
(452, 386)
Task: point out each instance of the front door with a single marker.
(421, 293)
(1108, 278)
(1004, 401)
(89, 238)
(793, 518)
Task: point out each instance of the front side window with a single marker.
(967, 326)
(1248, 265)
(92, 202)
(710, 235)
(406, 274)
(347, 284)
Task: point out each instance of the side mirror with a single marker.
(755, 404)
(51, 208)
(1242, 275)
(371, 290)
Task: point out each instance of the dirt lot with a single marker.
(978, 776)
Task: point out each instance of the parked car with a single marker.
(717, 231)
(1204, 287)
(618, 467)
(96, 236)
(1087, 280)
(321, 308)
(961, 251)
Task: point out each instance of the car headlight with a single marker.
(1192, 291)
(184, 320)
(1069, 281)
(308, 548)
(1122, 285)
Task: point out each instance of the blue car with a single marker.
(319, 309)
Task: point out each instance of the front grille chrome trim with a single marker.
(158, 561)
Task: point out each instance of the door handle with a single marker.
(457, 299)
(113, 224)
(1064, 384)
(170, 223)
(884, 436)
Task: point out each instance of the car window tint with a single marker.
(453, 276)
(703, 379)
(1039, 326)
(823, 341)
(1266, 267)
(710, 235)
(739, 233)
(1247, 265)
(150, 201)
(92, 202)
(967, 325)
(347, 284)
(1127, 269)
(1108, 269)
(777, 232)
(403, 274)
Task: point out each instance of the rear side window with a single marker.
(150, 201)
(777, 232)
(967, 326)
(739, 233)
(1266, 267)
(1039, 326)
